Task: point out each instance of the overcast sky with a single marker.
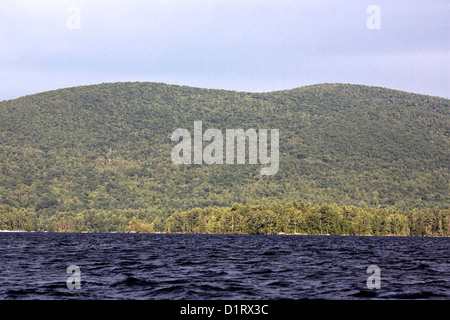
(244, 45)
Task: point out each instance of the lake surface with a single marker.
(209, 267)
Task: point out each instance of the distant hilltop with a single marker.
(108, 147)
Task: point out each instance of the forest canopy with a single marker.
(281, 218)
(103, 153)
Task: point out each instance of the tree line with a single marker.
(17, 219)
(300, 218)
(276, 218)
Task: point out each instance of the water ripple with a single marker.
(166, 266)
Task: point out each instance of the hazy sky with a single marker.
(244, 45)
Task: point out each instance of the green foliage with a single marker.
(102, 152)
(17, 219)
(99, 220)
(280, 218)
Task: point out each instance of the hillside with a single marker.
(108, 147)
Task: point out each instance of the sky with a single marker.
(242, 45)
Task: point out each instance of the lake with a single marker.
(209, 267)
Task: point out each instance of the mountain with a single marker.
(108, 147)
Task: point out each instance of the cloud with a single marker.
(243, 45)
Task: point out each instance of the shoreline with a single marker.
(235, 234)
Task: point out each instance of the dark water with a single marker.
(206, 267)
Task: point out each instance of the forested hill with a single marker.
(109, 146)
